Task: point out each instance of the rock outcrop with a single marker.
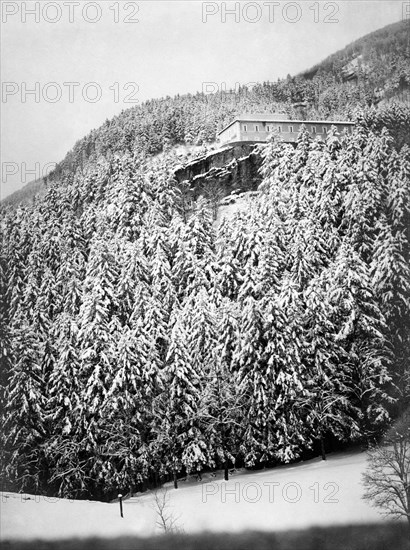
(221, 172)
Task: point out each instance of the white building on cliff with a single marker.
(256, 128)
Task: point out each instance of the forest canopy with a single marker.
(137, 343)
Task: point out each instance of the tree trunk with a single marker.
(226, 470)
(175, 481)
(322, 447)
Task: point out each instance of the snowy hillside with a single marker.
(233, 204)
(287, 497)
(141, 341)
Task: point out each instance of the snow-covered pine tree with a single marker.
(222, 403)
(389, 268)
(325, 401)
(25, 411)
(178, 440)
(249, 362)
(62, 409)
(361, 330)
(285, 370)
(194, 257)
(127, 411)
(98, 332)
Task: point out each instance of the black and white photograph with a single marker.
(205, 275)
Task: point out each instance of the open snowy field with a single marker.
(314, 493)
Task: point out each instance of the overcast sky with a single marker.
(146, 49)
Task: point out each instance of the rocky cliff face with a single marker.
(219, 173)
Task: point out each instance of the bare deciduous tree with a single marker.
(387, 478)
(166, 518)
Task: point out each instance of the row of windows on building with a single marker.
(272, 128)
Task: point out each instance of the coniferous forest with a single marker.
(138, 345)
(140, 342)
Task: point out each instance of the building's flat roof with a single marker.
(274, 118)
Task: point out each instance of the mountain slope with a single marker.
(372, 68)
(140, 342)
(375, 68)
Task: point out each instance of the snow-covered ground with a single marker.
(232, 204)
(287, 497)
